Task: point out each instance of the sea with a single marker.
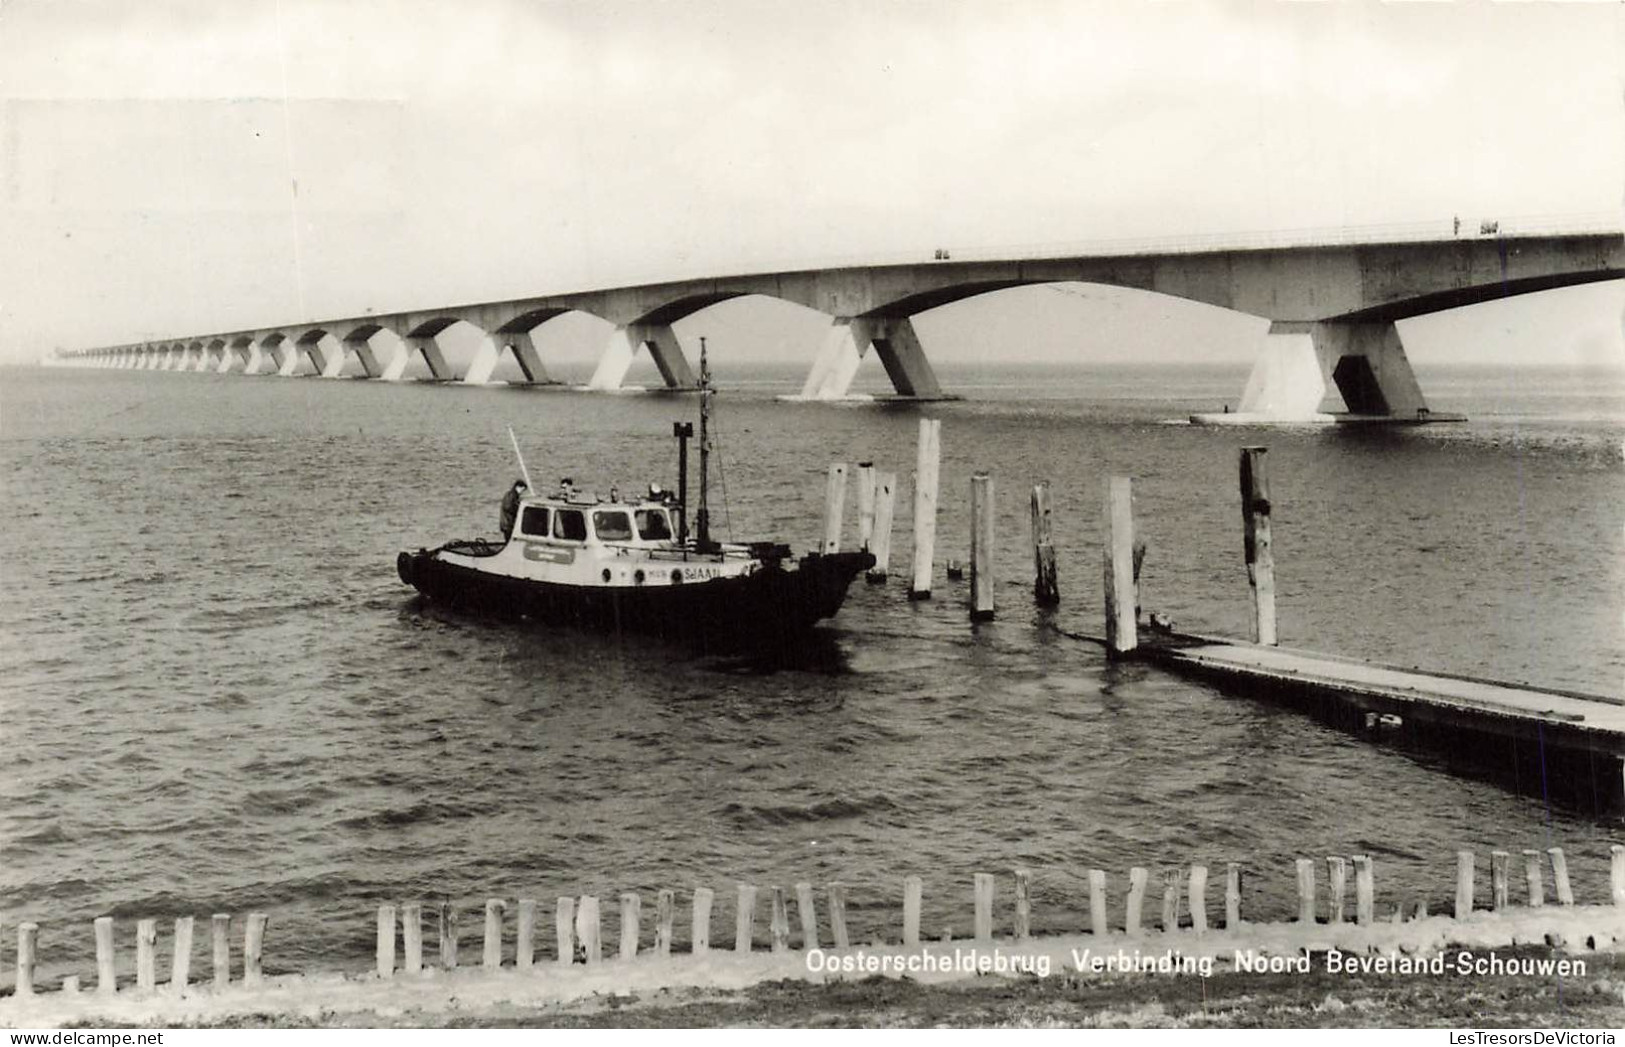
(216, 695)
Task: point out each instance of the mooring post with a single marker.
(70, 984)
(1197, 895)
(412, 937)
(253, 943)
(1560, 876)
(913, 887)
(564, 926)
(589, 928)
(1121, 633)
(809, 915)
(984, 907)
(220, 929)
(146, 955)
(491, 957)
(880, 541)
(1136, 900)
(1098, 921)
(745, 918)
(1500, 861)
(1046, 590)
(926, 467)
(778, 925)
(981, 547)
(700, 929)
(106, 977)
(837, 915)
(1532, 875)
(524, 943)
(665, 916)
(1306, 890)
(1464, 884)
(631, 924)
(1232, 895)
(866, 504)
(180, 963)
(1024, 906)
(1170, 899)
(1255, 512)
(1337, 885)
(1365, 891)
(386, 941)
(448, 936)
(27, 945)
(834, 506)
(1616, 873)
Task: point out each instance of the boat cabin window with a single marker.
(653, 525)
(570, 524)
(612, 525)
(534, 521)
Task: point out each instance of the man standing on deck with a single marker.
(510, 507)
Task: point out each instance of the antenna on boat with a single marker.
(522, 470)
(702, 516)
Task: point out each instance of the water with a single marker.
(217, 696)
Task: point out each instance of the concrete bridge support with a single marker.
(898, 346)
(1364, 362)
(439, 370)
(663, 347)
(524, 353)
(326, 355)
(227, 354)
(204, 361)
(252, 360)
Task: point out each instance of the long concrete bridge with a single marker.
(1332, 307)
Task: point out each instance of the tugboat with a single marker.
(611, 565)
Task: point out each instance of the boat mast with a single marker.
(702, 516)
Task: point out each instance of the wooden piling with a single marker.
(1197, 895)
(665, 917)
(1532, 876)
(220, 931)
(1046, 589)
(1616, 873)
(146, 955)
(1337, 887)
(1365, 891)
(1024, 906)
(448, 936)
(866, 504)
(834, 506)
(837, 915)
(27, 952)
(1118, 541)
(745, 918)
(631, 924)
(913, 888)
(984, 907)
(70, 984)
(1232, 895)
(1171, 879)
(880, 541)
(564, 926)
(491, 957)
(981, 547)
(926, 466)
(589, 928)
(1098, 921)
(808, 912)
(386, 941)
(1499, 876)
(779, 922)
(412, 937)
(1560, 876)
(106, 976)
(524, 944)
(1136, 900)
(700, 929)
(253, 943)
(180, 963)
(1255, 512)
(1306, 891)
(1464, 884)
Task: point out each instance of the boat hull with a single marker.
(773, 605)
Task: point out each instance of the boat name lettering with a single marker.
(548, 553)
(692, 573)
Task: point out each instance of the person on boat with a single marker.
(510, 507)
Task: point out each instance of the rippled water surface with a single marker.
(216, 695)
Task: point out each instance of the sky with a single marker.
(180, 167)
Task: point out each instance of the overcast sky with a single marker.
(173, 167)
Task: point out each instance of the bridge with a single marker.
(1332, 307)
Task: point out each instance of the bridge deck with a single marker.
(1561, 719)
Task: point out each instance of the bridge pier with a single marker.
(429, 346)
(894, 340)
(664, 349)
(362, 348)
(326, 355)
(252, 359)
(524, 353)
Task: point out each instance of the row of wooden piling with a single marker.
(146, 954)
